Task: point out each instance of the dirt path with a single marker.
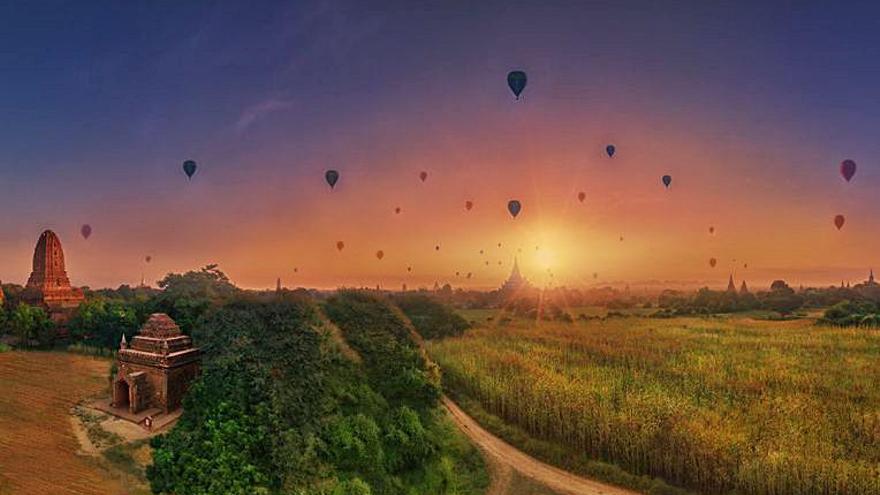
(503, 457)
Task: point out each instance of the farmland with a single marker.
(716, 405)
(39, 452)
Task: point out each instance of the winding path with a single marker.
(502, 458)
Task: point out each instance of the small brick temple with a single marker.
(155, 371)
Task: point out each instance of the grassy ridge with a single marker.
(719, 406)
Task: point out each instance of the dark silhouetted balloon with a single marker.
(610, 149)
(380, 254)
(423, 176)
(86, 231)
(499, 244)
(332, 177)
(839, 220)
(621, 238)
(745, 265)
(469, 274)
(595, 275)
(667, 180)
(487, 263)
(148, 258)
(847, 169)
(468, 205)
(713, 262)
(517, 81)
(712, 230)
(481, 251)
(582, 196)
(340, 245)
(295, 270)
(189, 168)
(437, 247)
(397, 210)
(514, 207)
(409, 268)
(457, 273)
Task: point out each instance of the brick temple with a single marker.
(48, 286)
(155, 371)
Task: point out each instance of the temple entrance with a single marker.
(121, 395)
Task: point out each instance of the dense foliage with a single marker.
(280, 410)
(853, 314)
(720, 406)
(431, 318)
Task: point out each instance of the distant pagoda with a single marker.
(743, 289)
(515, 282)
(48, 286)
(731, 287)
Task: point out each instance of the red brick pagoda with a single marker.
(48, 286)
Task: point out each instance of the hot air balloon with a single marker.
(437, 247)
(189, 168)
(595, 275)
(340, 245)
(423, 175)
(397, 210)
(582, 196)
(295, 270)
(514, 207)
(713, 262)
(86, 231)
(481, 251)
(517, 81)
(457, 273)
(380, 254)
(839, 220)
(621, 238)
(487, 263)
(712, 230)
(148, 258)
(667, 179)
(409, 268)
(331, 176)
(847, 169)
(469, 274)
(610, 149)
(468, 205)
(499, 244)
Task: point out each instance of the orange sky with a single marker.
(750, 117)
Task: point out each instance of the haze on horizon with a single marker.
(750, 108)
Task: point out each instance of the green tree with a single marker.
(31, 324)
(102, 323)
(187, 297)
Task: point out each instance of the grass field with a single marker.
(38, 449)
(717, 405)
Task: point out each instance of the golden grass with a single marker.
(38, 449)
(717, 405)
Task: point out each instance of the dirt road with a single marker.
(503, 457)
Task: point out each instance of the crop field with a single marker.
(715, 405)
(38, 448)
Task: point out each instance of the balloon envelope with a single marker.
(516, 80)
(847, 169)
(514, 207)
(148, 259)
(86, 231)
(610, 149)
(331, 176)
(711, 230)
(340, 245)
(667, 179)
(397, 210)
(423, 176)
(380, 254)
(713, 262)
(189, 168)
(468, 205)
(839, 220)
(582, 196)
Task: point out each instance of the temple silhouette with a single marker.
(48, 286)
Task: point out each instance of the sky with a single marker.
(749, 107)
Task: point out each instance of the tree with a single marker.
(782, 298)
(102, 323)
(187, 297)
(31, 324)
